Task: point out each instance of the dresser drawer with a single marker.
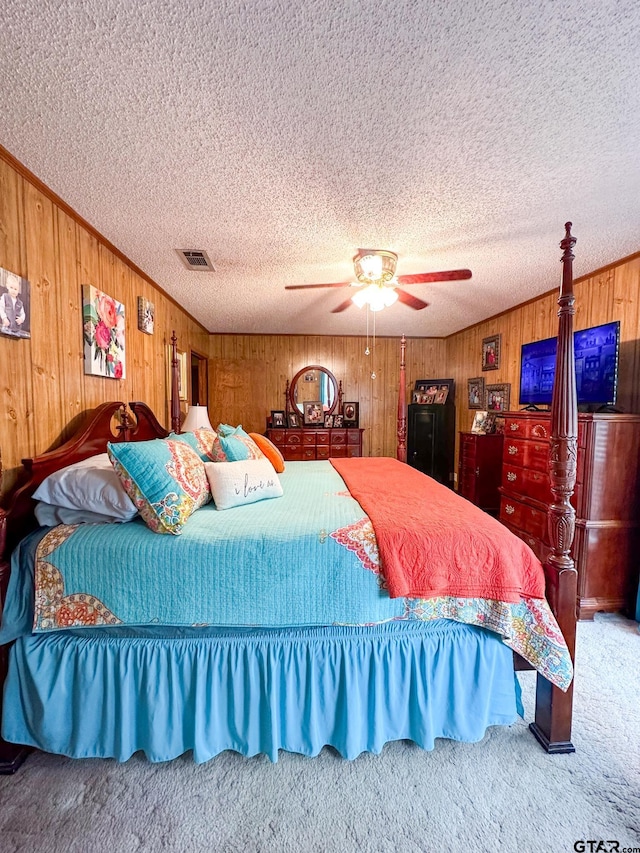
(322, 437)
(294, 439)
(277, 436)
(338, 437)
(527, 482)
(353, 436)
(338, 451)
(539, 548)
(309, 438)
(322, 451)
(353, 450)
(524, 517)
(293, 454)
(308, 453)
(527, 428)
(467, 486)
(526, 454)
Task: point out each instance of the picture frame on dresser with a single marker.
(328, 421)
(313, 413)
(294, 420)
(350, 414)
(278, 419)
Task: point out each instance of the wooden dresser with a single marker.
(480, 469)
(606, 500)
(317, 443)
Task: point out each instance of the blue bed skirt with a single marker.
(109, 693)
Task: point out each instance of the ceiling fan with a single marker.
(375, 273)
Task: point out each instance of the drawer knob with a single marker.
(514, 427)
(509, 509)
(511, 476)
(512, 450)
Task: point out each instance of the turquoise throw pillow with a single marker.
(164, 478)
(239, 447)
(225, 430)
(204, 442)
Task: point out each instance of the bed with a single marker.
(279, 625)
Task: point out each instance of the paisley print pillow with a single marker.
(164, 478)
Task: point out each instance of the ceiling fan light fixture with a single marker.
(375, 265)
(376, 296)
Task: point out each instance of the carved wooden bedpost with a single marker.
(175, 390)
(552, 726)
(401, 452)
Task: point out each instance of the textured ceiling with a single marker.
(280, 136)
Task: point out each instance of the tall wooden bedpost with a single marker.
(552, 726)
(175, 389)
(401, 451)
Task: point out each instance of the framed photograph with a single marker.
(328, 421)
(497, 397)
(313, 413)
(183, 383)
(475, 391)
(479, 423)
(338, 421)
(491, 352)
(433, 391)
(294, 420)
(350, 414)
(278, 419)
(103, 334)
(146, 315)
(15, 305)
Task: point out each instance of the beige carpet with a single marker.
(503, 794)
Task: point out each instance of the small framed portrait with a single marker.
(338, 421)
(491, 352)
(146, 315)
(313, 413)
(328, 421)
(441, 395)
(497, 397)
(478, 427)
(294, 420)
(475, 390)
(15, 305)
(278, 420)
(350, 414)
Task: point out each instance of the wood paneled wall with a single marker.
(609, 294)
(42, 382)
(248, 375)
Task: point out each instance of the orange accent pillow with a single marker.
(270, 451)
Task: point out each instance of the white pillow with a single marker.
(245, 482)
(91, 485)
(48, 515)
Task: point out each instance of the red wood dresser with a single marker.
(303, 444)
(479, 470)
(606, 499)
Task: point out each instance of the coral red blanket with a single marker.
(433, 542)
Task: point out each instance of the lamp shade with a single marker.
(197, 418)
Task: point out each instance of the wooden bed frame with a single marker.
(115, 421)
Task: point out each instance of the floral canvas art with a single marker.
(103, 332)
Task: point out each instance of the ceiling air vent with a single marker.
(195, 260)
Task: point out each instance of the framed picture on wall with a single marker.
(15, 305)
(475, 390)
(103, 334)
(497, 397)
(146, 315)
(491, 352)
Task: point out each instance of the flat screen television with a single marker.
(596, 351)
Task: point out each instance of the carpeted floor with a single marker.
(503, 794)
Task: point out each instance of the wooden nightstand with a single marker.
(11, 754)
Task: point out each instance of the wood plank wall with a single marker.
(248, 375)
(42, 383)
(606, 295)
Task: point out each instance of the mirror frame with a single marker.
(294, 385)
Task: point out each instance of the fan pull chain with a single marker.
(367, 351)
(373, 353)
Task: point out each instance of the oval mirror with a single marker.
(314, 383)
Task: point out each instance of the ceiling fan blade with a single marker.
(410, 300)
(307, 286)
(342, 307)
(421, 277)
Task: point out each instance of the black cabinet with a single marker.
(431, 439)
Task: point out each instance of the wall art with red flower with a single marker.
(103, 333)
